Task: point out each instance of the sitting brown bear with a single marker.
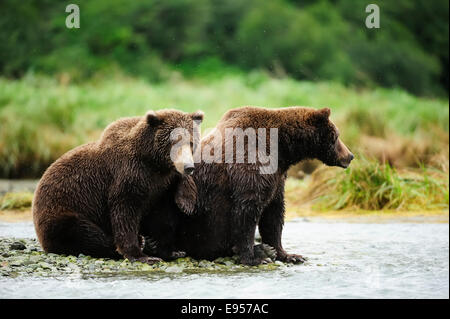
(92, 199)
(230, 198)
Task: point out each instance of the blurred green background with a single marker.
(387, 87)
(308, 40)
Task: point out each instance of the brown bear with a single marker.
(230, 198)
(92, 199)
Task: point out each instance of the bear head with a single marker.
(176, 135)
(326, 144)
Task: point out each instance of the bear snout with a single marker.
(345, 162)
(344, 155)
(183, 159)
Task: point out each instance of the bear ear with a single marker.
(321, 116)
(152, 118)
(198, 116)
(325, 112)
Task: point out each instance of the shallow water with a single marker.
(346, 260)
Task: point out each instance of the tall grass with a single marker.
(370, 185)
(42, 117)
(21, 200)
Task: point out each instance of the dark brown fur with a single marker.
(92, 199)
(231, 200)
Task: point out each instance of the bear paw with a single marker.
(265, 252)
(294, 259)
(178, 254)
(255, 261)
(149, 260)
(150, 246)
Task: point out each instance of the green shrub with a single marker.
(370, 185)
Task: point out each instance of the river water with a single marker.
(346, 260)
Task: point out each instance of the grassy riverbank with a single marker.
(44, 117)
(371, 186)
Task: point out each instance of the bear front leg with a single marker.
(125, 221)
(244, 227)
(271, 227)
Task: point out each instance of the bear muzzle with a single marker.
(184, 161)
(344, 155)
(344, 163)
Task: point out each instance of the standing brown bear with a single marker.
(230, 198)
(93, 198)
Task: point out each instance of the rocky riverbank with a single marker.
(24, 257)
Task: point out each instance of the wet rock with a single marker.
(27, 262)
(17, 245)
(205, 264)
(44, 265)
(174, 269)
(16, 263)
(146, 267)
(224, 260)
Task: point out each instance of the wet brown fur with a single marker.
(228, 201)
(92, 199)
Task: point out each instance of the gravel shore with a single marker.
(24, 257)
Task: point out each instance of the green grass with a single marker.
(369, 185)
(41, 117)
(16, 200)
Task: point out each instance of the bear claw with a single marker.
(295, 259)
(141, 242)
(149, 260)
(253, 261)
(178, 254)
(150, 246)
(265, 251)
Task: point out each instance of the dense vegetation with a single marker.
(308, 40)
